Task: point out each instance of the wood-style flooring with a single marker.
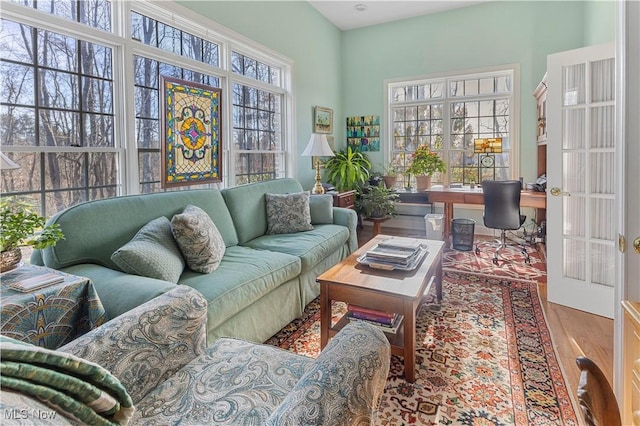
(574, 332)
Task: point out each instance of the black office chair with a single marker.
(502, 211)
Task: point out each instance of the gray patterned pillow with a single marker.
(152, 253)
(198, 239)
(287, 213)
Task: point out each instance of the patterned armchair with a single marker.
(158, 353)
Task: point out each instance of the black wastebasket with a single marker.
(462, 234)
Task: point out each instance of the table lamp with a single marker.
(318, 147)
(7, 163)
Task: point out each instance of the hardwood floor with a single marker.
(574, 332)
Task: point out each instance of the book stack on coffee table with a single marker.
(394, 253)
(385, 321)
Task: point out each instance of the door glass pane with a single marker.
(602, 127)
(603, 82)
(573, 128)
(602, 264)
(574, 256)
(602, 174)
(573, 169)
(574, 215)
(573, 85)
(602, 225)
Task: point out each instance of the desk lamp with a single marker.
(318, 147)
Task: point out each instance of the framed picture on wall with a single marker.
(363, 132)
(322, 120)
(190, 133)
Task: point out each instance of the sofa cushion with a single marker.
(119, 291)
(311, 246)
(198, 238)
(233, 383)
(321, 208)
(244, 276)
(89, 227)
(152, 252)
(288, 213)
(246, 204)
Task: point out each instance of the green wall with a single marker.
(469, 38)
(297, 30)
(600, 21)
(345, 70)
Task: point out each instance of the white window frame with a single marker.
(124, 50)
(514, 109)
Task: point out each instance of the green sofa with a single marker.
(263, 282)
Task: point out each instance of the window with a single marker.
(257, 130)
(82, 129)
(57, 102)
(447, 114)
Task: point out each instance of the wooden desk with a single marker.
(450, 197)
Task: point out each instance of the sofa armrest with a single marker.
(345, 383)
(348, 218)
(148, 344)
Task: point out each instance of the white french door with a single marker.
(581, 214)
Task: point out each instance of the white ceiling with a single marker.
(346, 16)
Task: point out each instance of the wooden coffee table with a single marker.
(392, 291)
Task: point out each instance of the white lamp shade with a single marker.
(7, 163)
(318, 147)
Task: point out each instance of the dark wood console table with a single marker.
(346, 199)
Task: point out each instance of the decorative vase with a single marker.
(9, 259)
(423, 182)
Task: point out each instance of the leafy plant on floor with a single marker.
(376, 201)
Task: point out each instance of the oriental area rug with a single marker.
(484, 357)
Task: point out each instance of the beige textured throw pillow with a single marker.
(198, 238)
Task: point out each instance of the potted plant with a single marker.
(21, 226)
(424, 163)
(376, 202)
(390, 175)
(347, 170)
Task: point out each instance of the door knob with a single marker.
(555, 191)
(636, 245)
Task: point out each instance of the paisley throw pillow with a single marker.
(287, 213)
(198, 238)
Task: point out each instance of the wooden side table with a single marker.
(51, 316)
(345, 199)
(377, 223)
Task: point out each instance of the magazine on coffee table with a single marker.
(411, 263)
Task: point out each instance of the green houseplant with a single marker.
(376, 202)
(22, 226)
(348, 169)
(424, 163)
(390, 175)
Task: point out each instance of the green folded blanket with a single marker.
(79, 389)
